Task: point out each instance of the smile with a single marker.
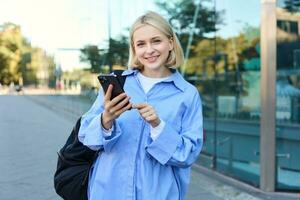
(152, 58)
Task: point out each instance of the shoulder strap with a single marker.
(120, 77)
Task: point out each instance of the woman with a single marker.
(152, 133)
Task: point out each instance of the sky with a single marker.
(238, 14)
(55, 25)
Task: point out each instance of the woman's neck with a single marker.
(163, 72)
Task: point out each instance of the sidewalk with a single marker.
(203, 185)
(33, 128)
(228, 188)
(208, 188)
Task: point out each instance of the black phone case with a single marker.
(105, 80)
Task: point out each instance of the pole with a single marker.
(109, 35)
(187, 51)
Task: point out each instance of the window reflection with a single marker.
(228, 76)
(224, 64)
(288, 94)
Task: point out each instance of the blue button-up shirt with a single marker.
(134, 167)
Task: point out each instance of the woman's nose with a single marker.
(149, 49)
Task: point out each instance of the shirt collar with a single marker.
(175, 78)
(129, 72)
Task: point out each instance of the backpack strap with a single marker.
(120, 77)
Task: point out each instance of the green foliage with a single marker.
(181, 14)
(94, 56)
(115, 54)
(10, 53)
(118, 51)
(292, 5)
(19, 62)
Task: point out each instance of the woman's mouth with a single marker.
(152, 58)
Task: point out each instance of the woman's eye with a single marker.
(156, 41)
(140, 44)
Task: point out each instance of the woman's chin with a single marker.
(152, 66)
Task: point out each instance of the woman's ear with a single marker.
(171, 44)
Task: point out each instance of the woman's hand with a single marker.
(148, 113)
(113, 108)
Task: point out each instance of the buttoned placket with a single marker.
(136, 166)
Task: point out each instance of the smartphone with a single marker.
(107, 79)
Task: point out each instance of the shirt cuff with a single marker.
(156, 131)
(107, 133)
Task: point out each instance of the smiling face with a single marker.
(152, 48)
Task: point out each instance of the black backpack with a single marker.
(74, 163)
(73, 166)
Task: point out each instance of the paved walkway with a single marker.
(30, 136)
(31, 132)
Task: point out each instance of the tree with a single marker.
(94, 56)
(19, 61)
(292, 5)
(115, 54)
(181, 18)
(10, 53)
(118, 52)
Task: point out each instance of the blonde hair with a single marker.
(175, 58)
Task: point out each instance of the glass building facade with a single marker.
(246, 67)
(248, 74)
(288, 95)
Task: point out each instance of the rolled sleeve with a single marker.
(91, 132)
(180, 148)
(155, 132)
(164, 146)
(109, 141)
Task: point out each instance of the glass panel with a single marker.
(288, 95)
(200, 71)
(237, 61)
(225, 66)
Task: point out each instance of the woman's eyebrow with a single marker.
(153, 38)
(140, 40)
(156, 37)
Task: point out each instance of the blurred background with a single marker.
(52, 51)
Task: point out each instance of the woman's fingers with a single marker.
(113, 108)
(123, 109)
(117, 99)
(143, 108)
(108, 93)
(151, 118)
(139, 105)
(120, 105)
(107, 97)
(148, 113)
(111, 103)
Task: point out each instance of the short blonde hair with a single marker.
(175, 58)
